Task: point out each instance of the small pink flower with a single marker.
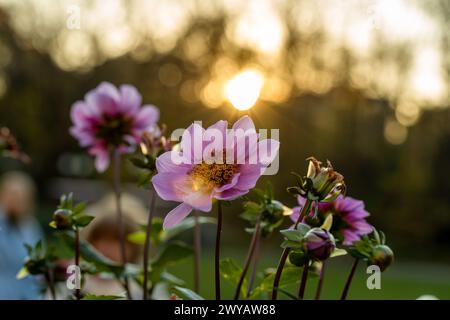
(111, 118)
(196, 181)
(349, 217)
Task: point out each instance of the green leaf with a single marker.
(172, 254)
(290, 275)
(79, 208)
(184, 225)
(83, 221)
(52, 224)
(231, 272)
(138, 237)
(186, 293)
(292, 235)
(23, 273)
(101, 297)
(291, 244)
(90, 254)
(303, 228)
(170, 278)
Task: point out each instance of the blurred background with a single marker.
(363, 83)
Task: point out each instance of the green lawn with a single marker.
(403, 280)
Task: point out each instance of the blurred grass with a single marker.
(403, 280)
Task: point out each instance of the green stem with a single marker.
(320, 284)
(286, 251)
(255, 265)
(148, 235)
(349, 279)
(217, 254)
(197, 251)
(117, 192)
(301, 291)
(251, 251)
(77, 262)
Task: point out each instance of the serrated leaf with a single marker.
(187, 294)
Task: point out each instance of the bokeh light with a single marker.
(244, 89)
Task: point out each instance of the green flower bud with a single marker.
(382, 256)
(298, 258)
(62, 219)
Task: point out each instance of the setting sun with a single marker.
(243, 90)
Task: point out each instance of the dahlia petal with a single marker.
(199, 200)
(101, 103)
(169, 186)
(362, 227)
(349, 237)
(230, 194)
(249, 175)
(267, 151)
(101, 161)
(229, 185)
(165, 163)
(348, 204)
(109, 89)
(191, 143)
(130, 99)
(147, 117)
(244, 123)
(176, 215)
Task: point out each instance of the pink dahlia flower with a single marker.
(215, 163)
(111, 118)
(349, 215)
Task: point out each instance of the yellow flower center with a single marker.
(213, 175)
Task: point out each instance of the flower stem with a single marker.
(77, 262)
(117, 192)
(197, 251)
(251, 251)
(217, 257)
(349, 279)
(286, 251)
(49, 276)
(320, 284)
(255, 264)
(301, 290)
(148, 235)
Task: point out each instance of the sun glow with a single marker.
(243, 90)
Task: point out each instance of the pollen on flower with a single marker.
(213, 175)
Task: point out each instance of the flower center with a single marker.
(213, 175)
(114, 128)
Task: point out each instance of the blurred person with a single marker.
(17, 227)
(103, 234)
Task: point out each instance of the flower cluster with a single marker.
(208, 165)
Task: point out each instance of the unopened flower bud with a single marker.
(298, 258)
(382, 256)
(62, 218)
(319, 244)
(325, 182)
